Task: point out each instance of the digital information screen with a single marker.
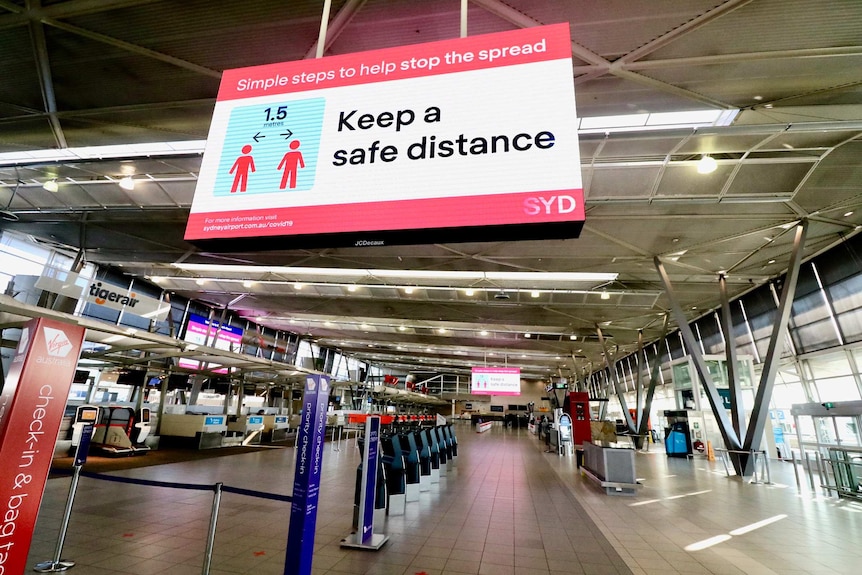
(200, 330)
(462, 139)
(495, 381)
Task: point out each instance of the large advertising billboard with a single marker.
(471, 138)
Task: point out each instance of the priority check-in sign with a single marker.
(468, 139)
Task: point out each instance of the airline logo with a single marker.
(102, 295)
(56, 342)
(323, 385)
(310, 383)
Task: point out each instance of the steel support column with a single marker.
(737, 409)
(603, 407)
(731, 439)
(620, 393)
(653, 381)
(779, 331)
(638, 383)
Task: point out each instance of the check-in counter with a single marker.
(247, 427)
(275, 427)
(200, 431)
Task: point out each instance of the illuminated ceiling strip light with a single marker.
(620, 123)
(406, 289)
(104, 152)
(657, 121)
(401, 274)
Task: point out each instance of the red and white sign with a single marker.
(473, 133)
(495, 381)
(31, 410)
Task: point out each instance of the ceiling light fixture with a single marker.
(848, 214)
(534, 293)
(408, 290)
(469, 292)
(298, 285)
(51, 186)
(402, 328)
(573, 337)
(483, 332)
(127, 183)
(605, 294)
(351, 288)
(247, 284)
(528, 335)
(437, 276)
(706, 165)
(200, 281)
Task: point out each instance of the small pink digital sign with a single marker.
(495, 381)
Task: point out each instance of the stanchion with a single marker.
(208, 555)
(795, 470)
(57, 565)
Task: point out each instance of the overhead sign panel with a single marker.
(467, 139)
(495, 381)
(102, 293)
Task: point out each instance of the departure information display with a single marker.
(456, 140)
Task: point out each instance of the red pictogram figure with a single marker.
(242, 166)
(291, 162)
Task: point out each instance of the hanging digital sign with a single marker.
(495, 381)
(465, 139)
(202, 331)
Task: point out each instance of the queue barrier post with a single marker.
(218, 488)
(57, 565)
(208, 554)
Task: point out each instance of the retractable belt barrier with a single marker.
(216, 488)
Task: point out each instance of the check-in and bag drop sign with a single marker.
(473, 134)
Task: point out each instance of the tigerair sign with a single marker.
(31, 410)
(103, 294)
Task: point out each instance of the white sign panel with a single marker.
(102, 293)
(469, 138)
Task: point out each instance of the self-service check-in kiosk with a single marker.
(443, 447)
(113, 431)
(248, 427)
(424, 461)
(433, 455)
(412, 472)
(197, 430)
(564, 431)
(142, 428)
(84, 415)
(394, 462)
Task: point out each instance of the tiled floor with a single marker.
(507, 508)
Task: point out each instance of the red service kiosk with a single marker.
(579, 410)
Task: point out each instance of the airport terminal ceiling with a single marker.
(781, 76)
